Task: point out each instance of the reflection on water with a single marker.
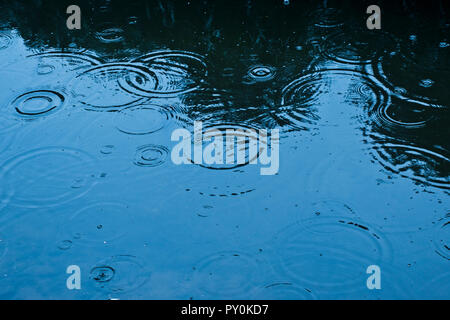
(86, 176)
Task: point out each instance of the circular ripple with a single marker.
(227, 274)
(5, 40)
(325, 97)
(240, 142)
(101, 87)
(418, 74)
(331, 254)
(38, 103)
(283, 291)
(100, 223)
(177, 72)
(143, 119)
(418, 164)
(358, 48)
(404, 114)
(442, 238)
(261, 73)
(46, 177)
(110, 35)
(119, 274)
(151, 155)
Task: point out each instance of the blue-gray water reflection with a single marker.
(86, 175)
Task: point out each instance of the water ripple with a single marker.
(325, 97)
(416, 163)
(151, 155)
(47, 177)
(142, 119)
(119, 274)
(177, 72)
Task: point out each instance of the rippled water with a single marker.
(87, 178)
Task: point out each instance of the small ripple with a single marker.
(442, 238)
(38, 103)
(142, 119)
(227, 275)
(240, 144)
(151, 155)
(110, 35)
(419, 164)
(101, 87)
(177, 72)
(261, 73)
(325, 97)
(47, 177)
(326, 17)
(119, 274)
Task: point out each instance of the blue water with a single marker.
(87, 177)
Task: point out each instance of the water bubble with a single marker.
(119, 274)
(151, 155)
(142, 119)
(426, 83)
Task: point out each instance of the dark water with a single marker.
(87, 179)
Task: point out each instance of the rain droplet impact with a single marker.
(151, 155)
(261, 73)
(110, 35)
(102, 274)
(143, 119)
(119, 274)
(359, 48)
(283, 291)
